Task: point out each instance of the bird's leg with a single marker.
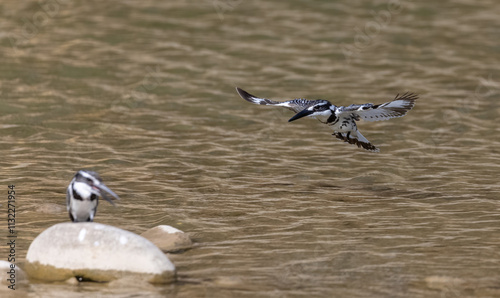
(338, 135)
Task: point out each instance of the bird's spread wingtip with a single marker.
(245, 95)
(407, 96)
(242, 92)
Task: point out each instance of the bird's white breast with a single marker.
(83, 190)
(82, 210)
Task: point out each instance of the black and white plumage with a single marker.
(82, 195)
(342, 119)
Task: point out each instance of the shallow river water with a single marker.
(143, 92)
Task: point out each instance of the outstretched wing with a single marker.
(370, 112)
(295, 105)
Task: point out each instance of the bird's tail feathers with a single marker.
(356, 138)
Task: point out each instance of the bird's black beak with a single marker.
(109, 191)
(301, 114)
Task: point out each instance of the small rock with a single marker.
(230, 282)
(9, 275)
(443, 282)
(97, 252)
(168, 239)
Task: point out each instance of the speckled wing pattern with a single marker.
(295, 105)
(370, 112)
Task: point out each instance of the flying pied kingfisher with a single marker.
(83, 194)
(342, 119)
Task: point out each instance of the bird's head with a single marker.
(87, 183)
(320, 109)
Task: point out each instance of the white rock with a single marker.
(96, 252)
(168, 239)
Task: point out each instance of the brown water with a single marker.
(143, 93)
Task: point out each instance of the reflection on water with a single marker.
(143, 93)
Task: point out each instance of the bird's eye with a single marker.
(89, 180)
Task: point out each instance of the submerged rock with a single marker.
(50, 208)
(168, 239)
(97, 252)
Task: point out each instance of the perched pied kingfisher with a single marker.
(83, 195)
(342, 119)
